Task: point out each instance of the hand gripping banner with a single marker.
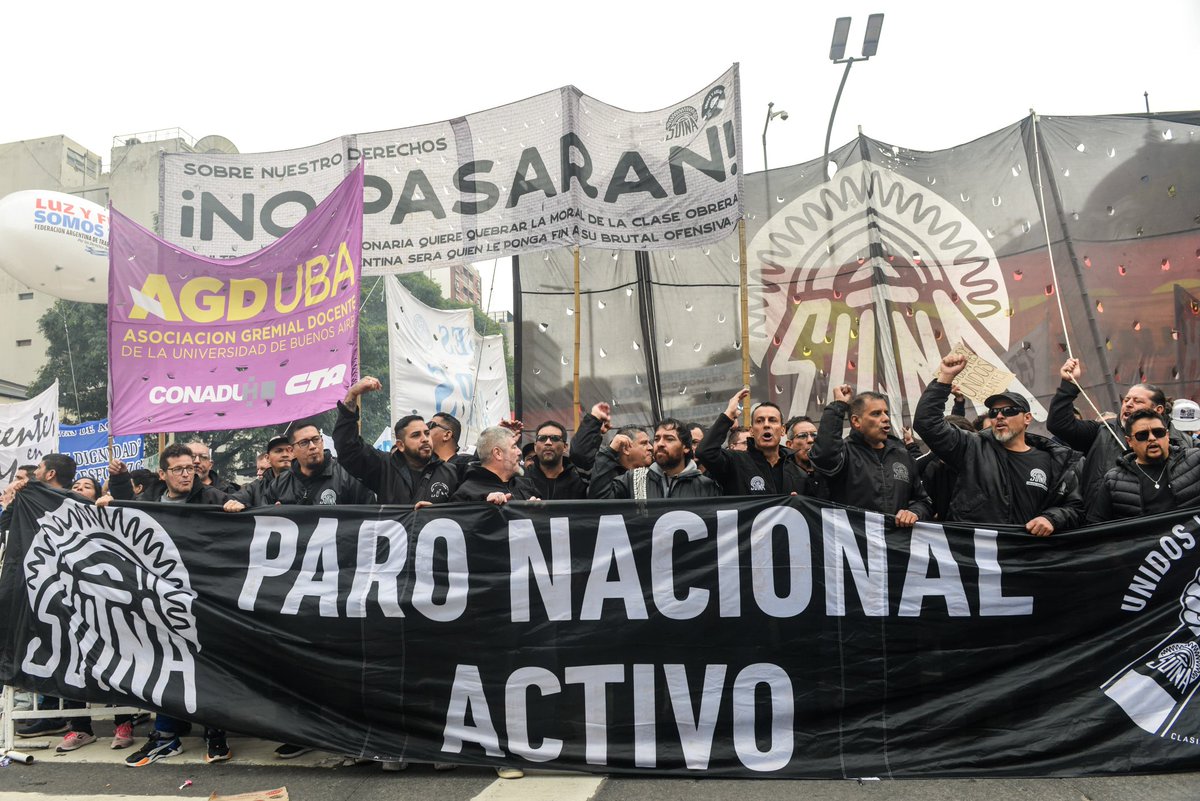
(208, 344)
(737, 637)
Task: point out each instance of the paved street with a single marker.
(97, 772)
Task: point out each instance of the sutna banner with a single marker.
(207, 344)
(736, 637)
(551, 171)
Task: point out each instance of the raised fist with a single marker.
(843, 393)
(951, 366)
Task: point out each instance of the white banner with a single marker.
(554, 170)
(439, 363)
(28, 431)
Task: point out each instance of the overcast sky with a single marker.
(270, 78)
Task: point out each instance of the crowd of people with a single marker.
(993, 470)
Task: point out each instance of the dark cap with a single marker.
(277, 440)
(1015, 398)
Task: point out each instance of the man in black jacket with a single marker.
(411, 474)
(869, 469)
(765, 467)
(801, 436)
(1154, 477)
(279, 461)
(1101, 448)
(315, 477)
(1005, 475)
(553, 476)
(673, 474)
(497, 478)
(179, 484)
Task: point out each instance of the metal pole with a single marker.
(575, 409)
(832, 113)
(745, 304)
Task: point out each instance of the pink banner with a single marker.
(199, 344)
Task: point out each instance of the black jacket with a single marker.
(254, 493)
(1119, 493)
(939, 480)
(227, 487)
(586, 443)
(610, 480)
(858, 477)
(982, 493)
(568, 486)
(120, 486)
(481, 482)
(384, 473)
(333, 485)
(1101, 449)
(747, 472)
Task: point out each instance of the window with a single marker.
(25, 296)
(24, 343)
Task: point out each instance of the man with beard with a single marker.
(411, 474)
(869, 469)
(315, 477)
(279, 460)
(1154, 477)
(498, 476)
(673, 474)
(1101, 448)
(1005, 474)
(801, 436)
(765, 467)
(554, 479)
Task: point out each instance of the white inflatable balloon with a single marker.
(55, 243)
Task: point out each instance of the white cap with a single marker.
(1185, 415)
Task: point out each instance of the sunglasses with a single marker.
(432, 426)
(1007, 411)
(549, 438)
(1147, 433)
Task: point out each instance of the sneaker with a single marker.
(290, 751)
(42, 727)
(510, 773)
(218, 750)
(75, 739)
(395, 766)
(123, 736)
(156, 748)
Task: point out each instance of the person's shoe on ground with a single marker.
(445, 766)
(291, 751)
(74, 740)
(218, 748)
(43, 726)
(156, 748)
(510, 773)
(395, 765)
(123, 736)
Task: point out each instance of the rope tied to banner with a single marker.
(1062, 314)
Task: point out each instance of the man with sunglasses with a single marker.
(801, 433)
(444, 433)
(1102, 449)
(870, 468)
(411, 474)
(552, 475)
(1005, 474)
(1153, 477)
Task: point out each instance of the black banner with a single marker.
(736, 636)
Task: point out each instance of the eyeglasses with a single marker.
(1147, 433)
(1007, 411)
(182, 470)
(549, 438)
(804, 435)
(307, 443)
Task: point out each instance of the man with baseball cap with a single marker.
(279, 458)
(1005, 474)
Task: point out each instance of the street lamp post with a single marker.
(782, 115)
(837, 51)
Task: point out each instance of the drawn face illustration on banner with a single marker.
(113, 602)
(864, 261)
